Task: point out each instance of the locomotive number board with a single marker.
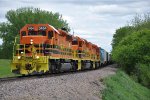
(31, 28)
(42, 28)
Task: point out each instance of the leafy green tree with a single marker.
(137, 23)
(121, 33)
(140, 22)
(133, 55)
(133, 49)
(22, 16)
(143, 74)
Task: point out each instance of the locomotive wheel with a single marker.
(91, 64)
(74, 65)
(82, 65)
(58, 66)
(53, 68)
(49, 66)
(96, 65)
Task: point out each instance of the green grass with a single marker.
(5, 70)
(121, 87)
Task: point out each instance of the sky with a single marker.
(94, 20)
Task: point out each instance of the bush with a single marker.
(143, 74)
(133, 49)
(121, 87)
(120, 34)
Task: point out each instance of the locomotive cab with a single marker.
(33, 34)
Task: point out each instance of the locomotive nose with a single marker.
(33, 39)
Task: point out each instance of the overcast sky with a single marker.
(94, 20)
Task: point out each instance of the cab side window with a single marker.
(80, 44)
(68, 37)
(74, 42)
(50, 34)
(23, 33)
(32, 33)
(42, 33)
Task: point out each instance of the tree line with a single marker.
(131, 48)
(16, 19)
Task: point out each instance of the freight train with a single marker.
(45, 49)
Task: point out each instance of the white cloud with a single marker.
(109, 9)
(1, 41)
(118, 10)
(94, 20)
(68, 18)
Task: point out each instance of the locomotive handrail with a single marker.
(14, 45)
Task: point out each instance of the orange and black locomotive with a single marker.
(44, 49)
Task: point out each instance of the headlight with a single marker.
(31, 41)
(21, 52)
(19, 57)
(37, 57)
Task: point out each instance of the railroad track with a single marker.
(41, 76)
(10, 78)
(17, 78)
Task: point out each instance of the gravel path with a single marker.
(78, 86)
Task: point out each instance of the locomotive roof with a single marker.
(54, 28)
(64, 32)
(36, 25)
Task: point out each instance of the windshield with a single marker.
(74, 42)
(41, 33)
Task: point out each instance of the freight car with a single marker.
(105, 57)
(44, 49)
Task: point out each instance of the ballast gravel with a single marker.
(78, 86)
